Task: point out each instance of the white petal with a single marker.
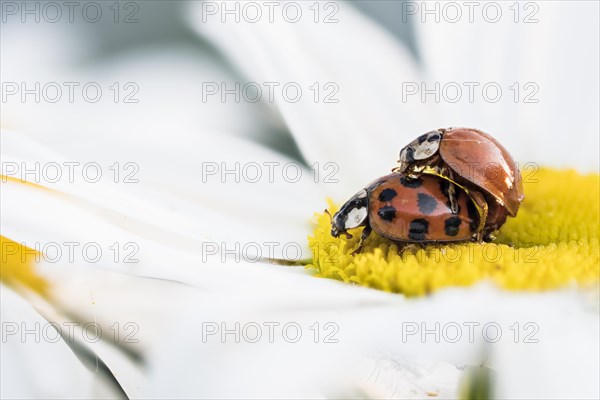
(313, 368)
(273, 366)
(553, 353)
(557, 57)
(129, 318)
(50, 49)
(364, 130)
(31, 352)
(183, 195)
(144, 92)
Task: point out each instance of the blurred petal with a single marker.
(366, 123)
(399, 334)
(553, 355)
(146, 96)
(31, 351)
(247, 197)
(146, 88)
(559, 66)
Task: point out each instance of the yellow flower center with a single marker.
(553, 242)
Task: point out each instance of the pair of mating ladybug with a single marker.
(449, 185)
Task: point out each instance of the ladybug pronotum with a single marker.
(431, 197)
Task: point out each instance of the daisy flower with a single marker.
(163, 235)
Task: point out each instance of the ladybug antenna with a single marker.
(330, 217)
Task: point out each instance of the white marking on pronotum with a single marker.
(427, 148)
(356, 216)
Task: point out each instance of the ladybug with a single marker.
(473, 161)
(408, 209)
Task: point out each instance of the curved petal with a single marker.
(364, 122)
(144, 96)
(31, 351)
(456, 326)
(552, 351)
(181, 194)
(546, 66)
(145, 87)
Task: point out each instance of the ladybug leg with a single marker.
(411, 247)
(482, 208)
(365, 234)
(446, 172)
(452, 197)
(413, 175)
(490, 237)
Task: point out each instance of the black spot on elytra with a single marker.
(410, 183)
(426, 203)
(451, 226)
(473, 215)
(418, 229)
(387, 213)
(422, 138)
(387, 194)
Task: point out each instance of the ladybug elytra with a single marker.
(407, 209)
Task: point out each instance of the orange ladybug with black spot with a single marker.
(409, 210)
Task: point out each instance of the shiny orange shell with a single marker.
(478, 158)
(418, 210)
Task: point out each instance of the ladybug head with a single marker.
(352, 214)
(421, 148)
